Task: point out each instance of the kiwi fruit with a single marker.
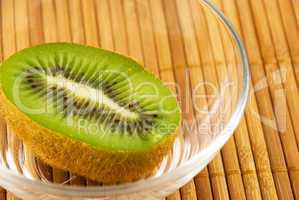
(90, 111)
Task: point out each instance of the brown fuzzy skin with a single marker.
(80, 158)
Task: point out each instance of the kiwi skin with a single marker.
(80, 158)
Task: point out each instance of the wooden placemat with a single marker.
(260, 161)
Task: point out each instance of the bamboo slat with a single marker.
(118, 27)
(229, 149)
(287, 135)
(284, 53)
(179, 62)
(49, 21)
(63, 21)
(241, 135)
(76, 21)
(104, 24)
(269, 56)
(21, 24)
(264, 100)
(2, 194)
(35, 22)
(245, 150)
(134, 35)
(295, 6)
(291, 30)
(147, 36)
(10, 196)
(8, 39)
(256, 137)
(215, 168)
(89, 23)
(258, 143)
(174, 196)
(8, 45)
(203, 186)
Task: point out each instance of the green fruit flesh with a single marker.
(90, 95)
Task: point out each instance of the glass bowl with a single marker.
(189, 44)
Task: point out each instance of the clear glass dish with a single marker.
(195, 50)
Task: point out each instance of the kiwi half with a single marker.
(90, 111)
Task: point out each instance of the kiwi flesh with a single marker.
(90, 111)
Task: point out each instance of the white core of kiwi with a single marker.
(96, 96)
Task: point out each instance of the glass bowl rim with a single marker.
(190, 165)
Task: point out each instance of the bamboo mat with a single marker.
(259, 162)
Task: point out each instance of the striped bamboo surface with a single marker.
(259, 162)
